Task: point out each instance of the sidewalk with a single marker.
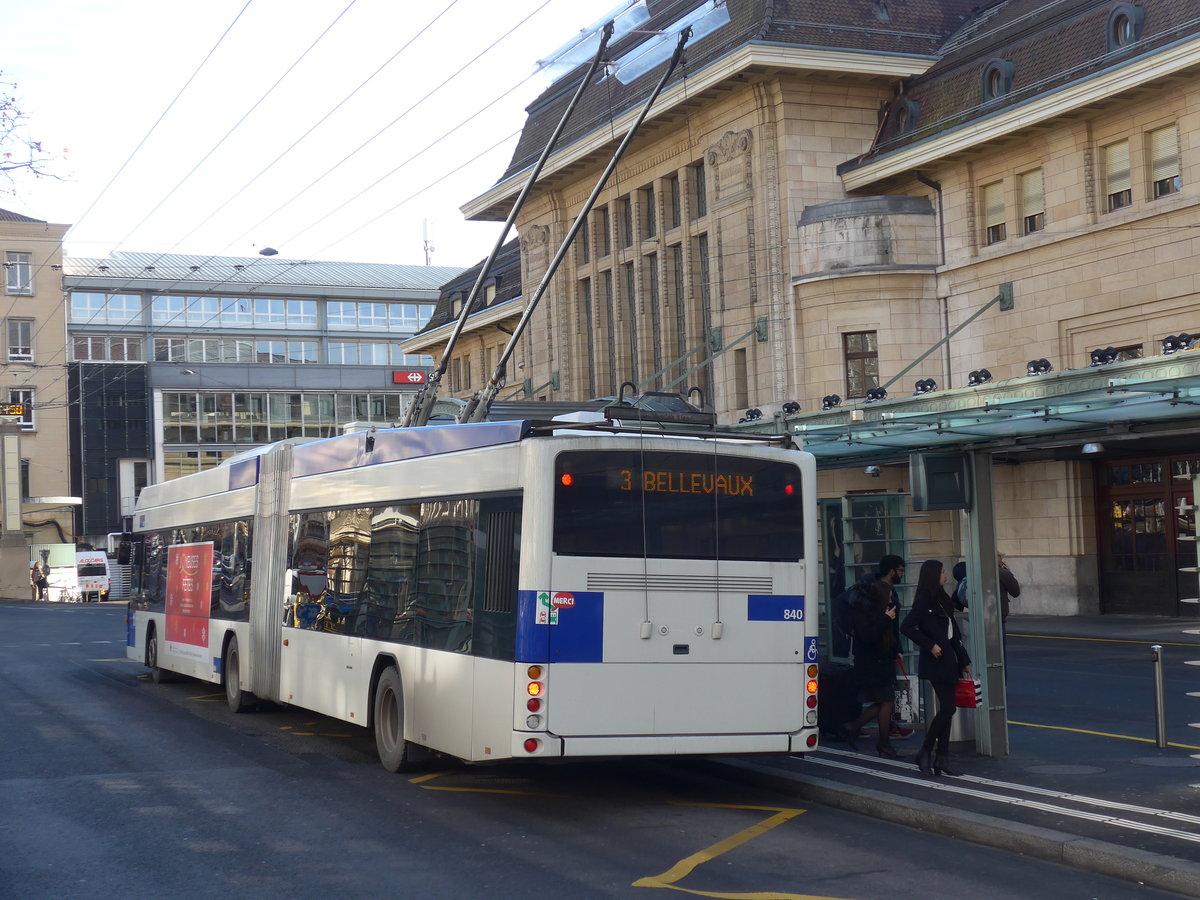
(1102, 799)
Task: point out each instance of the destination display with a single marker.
(676, 505)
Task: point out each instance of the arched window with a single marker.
(997, 78)
(1125, 25)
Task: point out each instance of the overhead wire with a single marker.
(313, 128)
(160, 118)
(461, 69)
(255, 106)
(257, 103)
(451, 131)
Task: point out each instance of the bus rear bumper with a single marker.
(658, 745)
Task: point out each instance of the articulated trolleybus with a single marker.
(501, 590)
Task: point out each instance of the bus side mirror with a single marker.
(124, 549)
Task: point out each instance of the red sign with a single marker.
(189, 598)
(408, 377)
(562, 599)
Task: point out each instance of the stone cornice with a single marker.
(778, 56)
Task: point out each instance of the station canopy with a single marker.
(1141, 405)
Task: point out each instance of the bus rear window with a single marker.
(673, 505)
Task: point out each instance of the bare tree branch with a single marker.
(20, 153)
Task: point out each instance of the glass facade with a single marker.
(187, 329)
(196, 422)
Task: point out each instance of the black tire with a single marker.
(157, 675)
(239, 701)
(393, 749)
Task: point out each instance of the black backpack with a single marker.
(842, 621)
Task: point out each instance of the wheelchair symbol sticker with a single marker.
(810, 649)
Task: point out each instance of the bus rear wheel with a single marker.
(157, 675)
(239, 701)
(394, 751)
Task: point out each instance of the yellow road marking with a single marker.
(209, 698)
(432, 775)
(670, 878)
(421, 779)
(1056, 637)
(1123, 737)
(686, 866)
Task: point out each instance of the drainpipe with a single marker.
(937, 187)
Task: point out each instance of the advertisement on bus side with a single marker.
(189, 599)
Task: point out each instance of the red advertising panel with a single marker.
(408, 377)
(189, 598)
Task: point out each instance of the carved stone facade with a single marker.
(816, 207)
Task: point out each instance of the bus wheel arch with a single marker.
(387, 718)
(239, 701)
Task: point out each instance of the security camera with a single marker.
(873, 471)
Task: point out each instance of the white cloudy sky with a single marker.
(216, 171)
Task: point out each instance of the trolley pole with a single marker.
(1160, 713)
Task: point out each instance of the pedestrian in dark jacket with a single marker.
(931, 625)
(876, 644)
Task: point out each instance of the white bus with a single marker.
(498, 590)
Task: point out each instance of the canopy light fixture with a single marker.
(752, 415)
(1093, 447)
(978, 377)
(1175, 343)
(791, 408)
(1038, 367)
(925, 386)
(876, 394)
(1104, 357)
(831, 401)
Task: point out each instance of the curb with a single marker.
(1129, 864)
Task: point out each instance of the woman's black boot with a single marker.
(922, 761)
(942, 767)
(850, 736)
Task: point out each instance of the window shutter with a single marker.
(1164, 153)
(993, 204)
(1116, 162)
(1033, 200)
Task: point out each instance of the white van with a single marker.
(91, 567)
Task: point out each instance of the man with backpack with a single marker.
(857, 598)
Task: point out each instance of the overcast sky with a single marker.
(219, 174)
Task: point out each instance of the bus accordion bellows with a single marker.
(497, 591)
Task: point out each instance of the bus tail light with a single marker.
(812, 701)
(535, 704)
(532, 745)
(812, 740)
(811, 685)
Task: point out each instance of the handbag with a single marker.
(968, 693)
(907, 708)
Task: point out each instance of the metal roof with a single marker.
(138, 268)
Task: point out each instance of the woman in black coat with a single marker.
(931, 625)
(876, 645)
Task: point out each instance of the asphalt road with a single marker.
(113, 786)
(1102, 683)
